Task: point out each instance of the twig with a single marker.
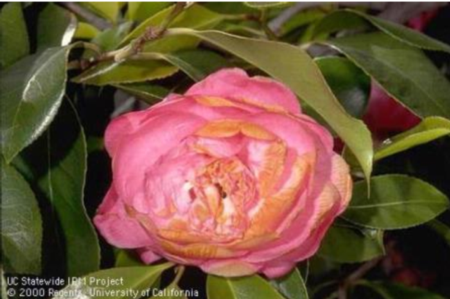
(179, 273)
(87, 15)
(355, 276)
(150, 33)
(263, 21)
(277, 23)
(133, 50)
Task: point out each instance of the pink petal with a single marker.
(141, 150)
(341, 179)
(117, 227)
(279, 270)
(300, 234)
(235, 84)
(148, 256)
(120, 127)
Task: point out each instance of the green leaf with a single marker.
(111, 72)
(395, 291)
(429, 129)
(296, 69)
(13, 34)
(64, 186)
(348, 82)
(247, 287)
(139, 11)
(61, 178)
(301, 19)
(403, 71)
(396, 201)
(86, 31)
(110, 39)
(21, 224)
(399, 32)
(128, 71)
(338, 21)
(291, 285)
(56, 27)
(197, 64)
(195, 16)
(348, 244)
(136, 279)
(32, 90)
(145, 91)
(107, 10)
(126, 258)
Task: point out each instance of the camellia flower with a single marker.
(230, 177)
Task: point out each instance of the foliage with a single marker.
(61, 83)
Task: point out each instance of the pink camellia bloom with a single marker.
(230, 177)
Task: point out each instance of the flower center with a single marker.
(219, 194)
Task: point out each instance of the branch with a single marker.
(263, 22)
(134, 48)
(151, 33)
(87, 15)
(355, 276)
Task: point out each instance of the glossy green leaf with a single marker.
(111, 72)
(301, 19)
(135, 279)
(338, 21)
(195, 17)
(197, 64)
(291, 285)
(86, 31)
(145, 91)
(247, 287)
(64, 186)
(21, 224)
(296, 69)
(401, 33)
(127, 258)
(396, 201)
(32, 90)
(349, 83)
(347, 244)
(56, 27)
(139, 11)
(397, 291)
(107, 10)
(13, 34)
(403, 71)
(110, 39)
(128, 71)
(61, 178)
(429, 129)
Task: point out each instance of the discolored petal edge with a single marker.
(235, 84)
